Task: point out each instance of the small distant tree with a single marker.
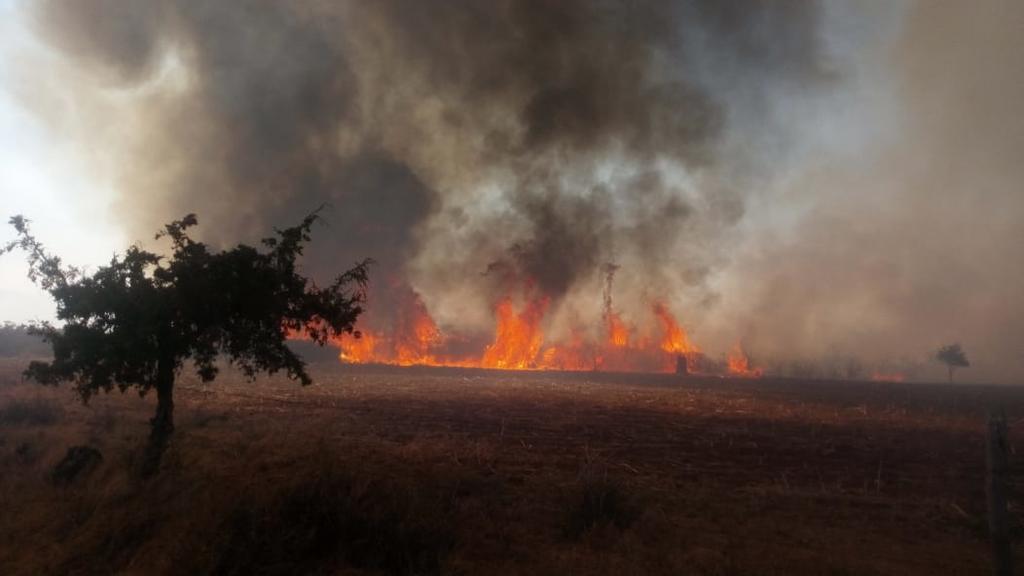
(134, 322)
(953, 356)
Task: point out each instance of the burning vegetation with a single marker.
(707, 148)
(521, 341)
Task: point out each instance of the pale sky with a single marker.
(42, 179)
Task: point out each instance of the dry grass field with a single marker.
(435, 471)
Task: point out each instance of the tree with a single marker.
(134, 322)
(953, 357)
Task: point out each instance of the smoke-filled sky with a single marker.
(818, 181)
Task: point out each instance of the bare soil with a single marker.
(380, 470)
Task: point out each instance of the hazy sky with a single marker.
(45, 178)
(816, 180)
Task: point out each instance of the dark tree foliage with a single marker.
(135, 321)
(953, 356)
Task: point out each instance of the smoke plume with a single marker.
(807, 178)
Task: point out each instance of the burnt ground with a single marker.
(380, 470)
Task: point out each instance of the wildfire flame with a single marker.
(518, 336)
(519, 343)
(358, 348)
(618, 332)
(413, 344)
(739, 364)
(577, 354)
(674, 340)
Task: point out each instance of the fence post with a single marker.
(996, 468)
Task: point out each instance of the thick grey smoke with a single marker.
(908, 235)
(448, 135)
(715, 151)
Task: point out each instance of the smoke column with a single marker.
(815, 179)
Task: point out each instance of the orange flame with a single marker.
(739, 364)
(618, 332)
(357, 348)
(416, 336)
(519, 343)
(577, 354)
(410, 342)
(518, 336)
(674, 339)
(887, 377)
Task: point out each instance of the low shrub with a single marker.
(79, 461)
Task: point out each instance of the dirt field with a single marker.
(408, 471)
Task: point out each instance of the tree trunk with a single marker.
(163, 422)
(682, 365)
(950, 373)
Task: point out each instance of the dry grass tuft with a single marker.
(34, 411)
(78, 462)
(407, 472)
(324, 517)
(599, 501)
